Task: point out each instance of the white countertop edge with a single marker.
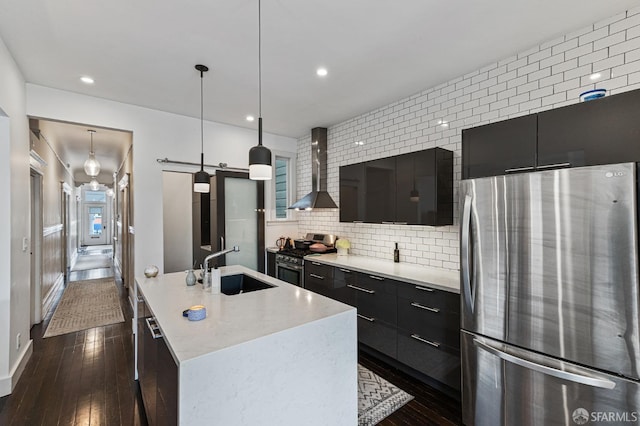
(232, 270)
(440, 279)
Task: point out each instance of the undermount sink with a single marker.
(241, 283)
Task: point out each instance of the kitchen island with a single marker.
(281, 355)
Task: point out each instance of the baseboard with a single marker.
(8, 383)
(50, 298)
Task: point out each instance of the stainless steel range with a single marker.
(290, 261)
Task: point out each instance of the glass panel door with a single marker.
(95, 225)
(241, 225)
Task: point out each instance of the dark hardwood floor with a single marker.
(428, 407)
(82, 378)
(86, 378)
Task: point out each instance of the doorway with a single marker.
(36, 246)
(94, 224)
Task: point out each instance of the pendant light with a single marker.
(259, 155)
(94, 185)
(201, 178)
(91, 165)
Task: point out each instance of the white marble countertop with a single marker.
(437, 278)
(231, 320)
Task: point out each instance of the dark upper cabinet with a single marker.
(380, 186)
(414, 188)
(424, 187)
(601, 131)
(352, 195)
(498, 148)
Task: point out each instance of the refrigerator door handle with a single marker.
(466, 252)
(550, 371)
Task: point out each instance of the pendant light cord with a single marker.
(259, 61)
(201, 121)
(259, 74)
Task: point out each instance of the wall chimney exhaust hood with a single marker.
(318, 198)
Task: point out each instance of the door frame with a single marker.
(35, 313)
(220, 197)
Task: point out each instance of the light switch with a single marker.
(25, 243)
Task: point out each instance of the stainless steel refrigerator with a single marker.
(549, 276)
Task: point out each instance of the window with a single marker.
(95, 196)
(282, 187)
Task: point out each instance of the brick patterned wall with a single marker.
(547, 76)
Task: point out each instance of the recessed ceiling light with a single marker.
(595, 76)
(87, 80)
(250, 118)
(322, 72)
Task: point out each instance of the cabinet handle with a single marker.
(424, 289)
(358, 221)
(316, 263)
(154, 329)
(519, 169)
(551, 166)
(316, 276)
(346, 271)
(366, 318)
(426, 308)
(399, 223)
(364, 290)
(388, 223)
(376, 278)
(428, 342)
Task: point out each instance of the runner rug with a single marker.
(377, 398)
(86, 304)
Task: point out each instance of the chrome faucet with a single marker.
(207, 272)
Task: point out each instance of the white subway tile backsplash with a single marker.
(542, 77)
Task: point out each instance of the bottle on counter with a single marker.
(396, 254)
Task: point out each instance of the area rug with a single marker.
(86, 262)
(377, 398)
(86, 304)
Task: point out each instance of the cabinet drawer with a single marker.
(440, 363)
(344, 276)
(318, 285)
(376, 298)
(317, 268)
(425, 295)
(431, 323)
(377, 335)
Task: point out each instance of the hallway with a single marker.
(80, 378)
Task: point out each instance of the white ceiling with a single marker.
(377, 51)
(72, 141)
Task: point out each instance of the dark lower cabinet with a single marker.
(377, 334)
(414, 324)
(157, 372)
(431, 358)
(271, 264)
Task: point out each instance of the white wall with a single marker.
(14, 223)
(156, 134)
(547, 76)
(177, 213)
